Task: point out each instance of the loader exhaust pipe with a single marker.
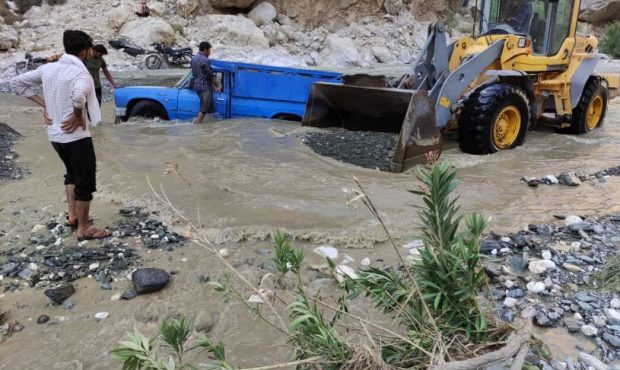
(363, 104)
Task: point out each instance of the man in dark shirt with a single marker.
(518, 14)
(95, 63)
(203, 80)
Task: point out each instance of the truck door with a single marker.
(221, 95)
(188, 101)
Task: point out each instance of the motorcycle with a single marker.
(172, 57)
(29, 64)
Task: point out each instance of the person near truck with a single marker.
(68, 95)
(203, 81)
(95, 64)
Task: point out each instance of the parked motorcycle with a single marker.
(29, 64)
(172, 57)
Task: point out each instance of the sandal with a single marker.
(93, 233)
(73, 224)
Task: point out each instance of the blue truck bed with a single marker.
(248, 90)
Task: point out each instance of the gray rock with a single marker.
(43, 319)
(585, 306)
(518, 263)
(203, 323)
(516, 293)
(60, 294)
(615, 303)
(566, 179)
(599, 321)
(393, 7)
(538, 267)
(487, 246)
(535, 287)
(510, 302)
(598, 229)
(27, 274)
(613, 316)
(148, 280)
(7, 268)
(263, 13)
(612, 340)
(68, 305)
(507, 316)
(129, 295)
(584, 297)
(542, 320)
(581, 226)
(545, 230)
(592, 361)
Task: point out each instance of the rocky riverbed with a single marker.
(8, 167)
(551, 269)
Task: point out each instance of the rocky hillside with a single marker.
(336, 33)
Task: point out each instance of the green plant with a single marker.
(286, 258)
(608, 278)
(611, 41)
(449, 271)
(142, 353)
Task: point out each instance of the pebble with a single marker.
(327, 251)
(38, 229)
(102, 315)
(572, 268)
(60, 294)
(224, 253)
(599, 321)
(546, 255)
(43, 319)
(116, 297)
(538, 267)
(509, 284)
(510, 302)
(68, 305)
(516, 293)
(129, 295)
(615, 303)
(551, 179)
(93, 266)
(612, 340)
(589, 331)
(365, 262)
(507, 316)
(592, 361)
(535, 287)
(584, 297)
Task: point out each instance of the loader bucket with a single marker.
(363, 108)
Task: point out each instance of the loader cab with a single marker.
(546, 22)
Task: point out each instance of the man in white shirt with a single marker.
(68, 93)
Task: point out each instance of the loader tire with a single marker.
(495, 117)
(590, 111)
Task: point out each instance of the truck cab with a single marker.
(247, 90)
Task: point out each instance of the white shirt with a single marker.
(66, 85)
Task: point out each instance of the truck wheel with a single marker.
(495, 117)
(148, 109)
(590, 111)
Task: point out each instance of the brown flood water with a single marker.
(250, 177)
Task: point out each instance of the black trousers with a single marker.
(81, 165)
(99, 94)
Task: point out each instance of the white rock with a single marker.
(509, 284)
(345, 270)
(93, 266)
(365, 262)
(506, 239)
(117, 17)
(33, 266)
(599, 11)
(538, 267)
(589, 330)
(548, 283)
(552, 179)
(38, 228)
(546, 254)
(571, 220)
(340, 52)
(577, 316)
(346, 259)
(154, 236)
(575, 246)
(327, 252)
(510, 302)
(414, 244)
(261, 296)
(383, 54)
(615, 303)
(393, 7)
(146, 31)
(263, 13)
(116, 297)
(227, 31)
(102, 315)
(535, 287)
(613, 316)
(224, 253)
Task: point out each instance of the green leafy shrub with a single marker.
(611, 41)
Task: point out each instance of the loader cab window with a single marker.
(561, 26)
(507, 17)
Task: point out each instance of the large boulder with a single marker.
(228, 31)
(393, 7)
(117, 17)
(186, 7)
(146, 31)
(239, 4)
(339, 52)
(8, 38)
(599, 11)
(263, 13)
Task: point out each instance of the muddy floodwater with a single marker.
(245, 179)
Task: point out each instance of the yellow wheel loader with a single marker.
(525, 64)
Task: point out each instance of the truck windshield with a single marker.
(181, 82)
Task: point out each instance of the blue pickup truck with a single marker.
(248, 90)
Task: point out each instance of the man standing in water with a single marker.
(68, 92)
(95, 63)
(203, 80)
